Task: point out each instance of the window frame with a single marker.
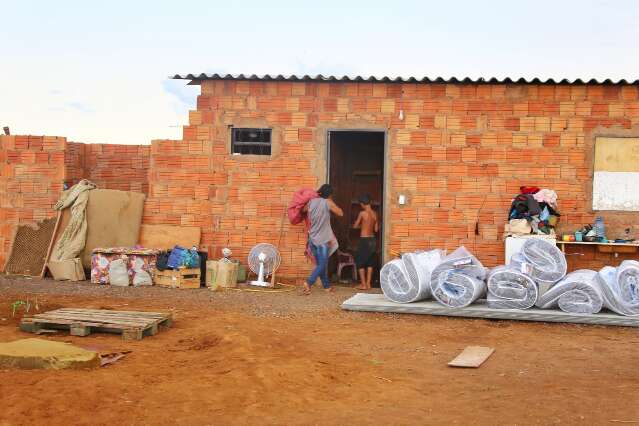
(257, 145)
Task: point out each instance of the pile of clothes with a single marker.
(179, 257)
(533, 211)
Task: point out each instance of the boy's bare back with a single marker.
(367, 221)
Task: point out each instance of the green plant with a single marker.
(15, 305)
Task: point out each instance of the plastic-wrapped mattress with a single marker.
(458, 280)
(407, 279)
(546, 262)
(620, 287)
(578, 293)
(509, 288)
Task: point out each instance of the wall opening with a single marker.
(355, 167)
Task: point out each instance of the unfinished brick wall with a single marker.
(33, 169)
(460, 154)
(31, 174)
(109, 166)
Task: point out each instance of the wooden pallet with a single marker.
(132, 325)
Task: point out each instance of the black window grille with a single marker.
(251, 141)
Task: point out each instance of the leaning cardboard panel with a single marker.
(166, 237)
(70, 270)
(114, 219)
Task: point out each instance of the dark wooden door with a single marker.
(356, 167)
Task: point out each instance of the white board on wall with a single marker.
(615, 184)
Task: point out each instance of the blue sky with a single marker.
(97, 71)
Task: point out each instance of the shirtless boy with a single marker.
(367, 247)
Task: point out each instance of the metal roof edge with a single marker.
(197, 78)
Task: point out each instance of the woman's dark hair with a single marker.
(325, 191)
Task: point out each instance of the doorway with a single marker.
(356, 167)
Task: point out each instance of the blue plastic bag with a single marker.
(176, 258)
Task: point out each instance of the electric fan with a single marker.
(264, 259)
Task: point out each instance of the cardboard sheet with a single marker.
(114, 219)
(63, 270)
(163, 237)
(472, 357)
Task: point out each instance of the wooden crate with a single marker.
(179, 278)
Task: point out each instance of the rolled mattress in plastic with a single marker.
(577, 293)
(458, 280)
(407, 279)
(509, 288)
(546, 261)
(620, 287)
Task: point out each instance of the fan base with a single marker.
(260, 283)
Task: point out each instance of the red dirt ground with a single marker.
(253, 358)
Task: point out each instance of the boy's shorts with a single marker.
(365, 255)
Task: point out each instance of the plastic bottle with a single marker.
(600, 228)
(195, 258)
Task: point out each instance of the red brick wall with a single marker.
(459, 149)
(33, 168)
(109, 166)
(31, 175)
(459, 154)
(236, 203)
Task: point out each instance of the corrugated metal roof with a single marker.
(196, 78)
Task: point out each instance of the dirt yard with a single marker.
(253, 358)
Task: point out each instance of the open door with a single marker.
(356, 166)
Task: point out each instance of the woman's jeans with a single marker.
(320, 253)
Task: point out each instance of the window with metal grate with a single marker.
(247, 141)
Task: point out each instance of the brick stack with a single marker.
(31, 176)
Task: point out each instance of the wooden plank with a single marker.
(53, 237)
(597, 244)
(472, 357)
(97, 314)
(104, 314)
(365, 302)
(164, 237)
(97, 320)
(94, 321)
(110, 311)
(46, 322)
(117, 314)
